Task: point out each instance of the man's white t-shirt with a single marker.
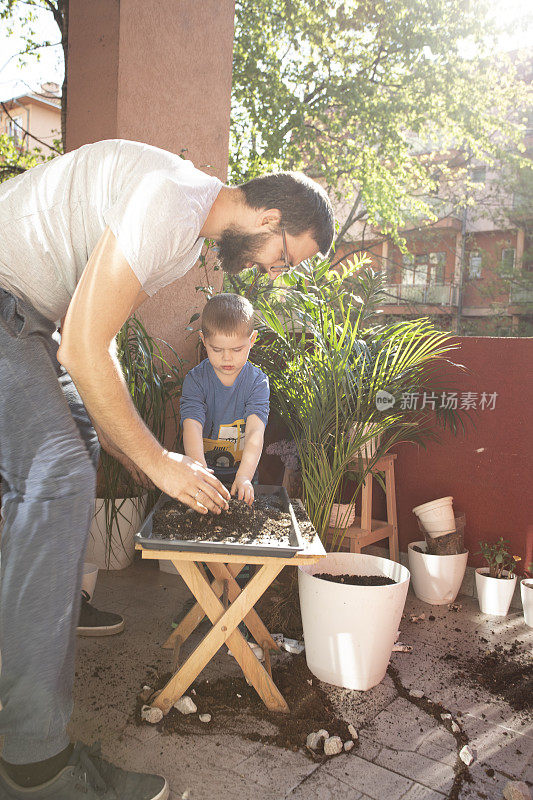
(52, 216)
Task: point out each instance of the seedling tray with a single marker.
(146, 538)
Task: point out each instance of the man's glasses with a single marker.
(287, 266)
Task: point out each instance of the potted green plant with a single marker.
(495, 584)
(328, 362)
(153, 373)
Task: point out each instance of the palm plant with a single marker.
(327, 365)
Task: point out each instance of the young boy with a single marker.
(225, 399)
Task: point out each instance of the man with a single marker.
(86, 238)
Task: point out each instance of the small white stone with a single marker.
(353, 732)
(293, 646)
(455, 727)
(402, 648)
(239, 696)
(146, 693)
(466, 755)
(418, 618)
(333, 746)
(445, 716)
(516, 790)
(151, 715)
(193, 691)
(147, 688)
(205, 718)
(323, 733)
(313, 741)
(349, 745)
(186, 705)
(416, 693)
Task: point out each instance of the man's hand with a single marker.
(191, 483)
(244, 490)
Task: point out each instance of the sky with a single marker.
(15, 80)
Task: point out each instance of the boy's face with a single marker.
(228, 353)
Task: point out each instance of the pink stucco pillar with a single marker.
(158, 73)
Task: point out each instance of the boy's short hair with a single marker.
(227, 313)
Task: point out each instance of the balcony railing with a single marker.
(401, 293)
(520, 294)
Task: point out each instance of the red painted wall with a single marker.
(488, 471)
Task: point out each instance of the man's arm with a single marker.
(104, 298)
(253, 447)
(193, 440)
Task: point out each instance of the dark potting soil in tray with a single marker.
(265, 521)
(355, 580)
(235, 706)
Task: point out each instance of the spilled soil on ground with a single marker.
(505, 672)
(236, 707)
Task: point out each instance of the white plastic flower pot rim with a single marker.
(349, 631)
(494, 594)
(368, 449)
(88, 581)
(436, 579)
(526, 593)
(342, 515)
(436, 516)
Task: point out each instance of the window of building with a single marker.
(437, 264)
(474, 264)
(478, 174)
(508, 260)
(14, 129)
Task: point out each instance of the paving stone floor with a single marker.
(403, 753)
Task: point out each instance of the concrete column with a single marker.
(158, 73)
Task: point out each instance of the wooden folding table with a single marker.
(226, 605)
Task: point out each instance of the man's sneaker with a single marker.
(97, 623)
(88, 777)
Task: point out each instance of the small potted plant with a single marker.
(496, 583)
(526, 593)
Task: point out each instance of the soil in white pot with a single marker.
(356, 580)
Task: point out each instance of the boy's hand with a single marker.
(244, 490)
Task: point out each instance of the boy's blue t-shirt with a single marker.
(223, 410)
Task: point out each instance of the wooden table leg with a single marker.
(224, 630)
(195, 616)
(252, 620)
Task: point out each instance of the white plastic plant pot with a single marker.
(115, 550)
(436, 516)
(494, 594)
(436, 579)
(349, 631)
(526, 593)
(342, 515)
(368, 449)
(88, 582)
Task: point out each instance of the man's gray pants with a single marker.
(48, 459)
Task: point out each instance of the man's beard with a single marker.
(237, 249)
